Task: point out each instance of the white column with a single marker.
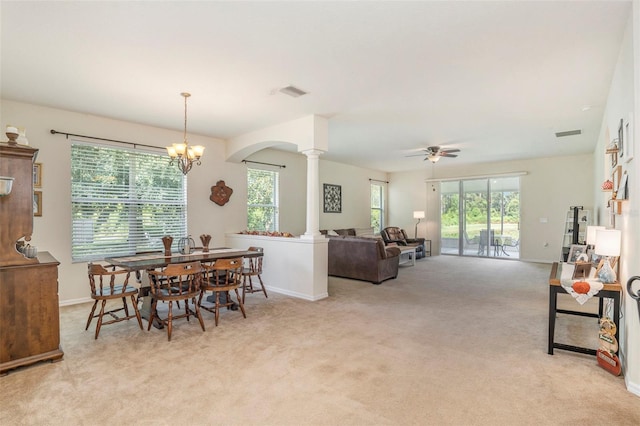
(313, 194)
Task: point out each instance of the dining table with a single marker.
(154, 260)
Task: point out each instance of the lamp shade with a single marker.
(591, 234)
(608, 242)
(418, 214)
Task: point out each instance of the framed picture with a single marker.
(37, 175)
(628, 135)
(614, 159)
(37, 203)
(623, 193)
(582, 271)
(575, 251)
(621, 141)
(616, 175)
(332, 198)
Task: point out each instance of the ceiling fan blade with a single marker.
(446, 154)
(450, 150)
(416, 155)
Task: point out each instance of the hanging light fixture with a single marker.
(184, 154)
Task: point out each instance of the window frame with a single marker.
(275, 216)
(381, 209)
(150, 211)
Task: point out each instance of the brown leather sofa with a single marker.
(365, 259)
(396, 235)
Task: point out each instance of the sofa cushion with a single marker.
(364, 232)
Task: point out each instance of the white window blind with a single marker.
(262, 200)
(123, 201)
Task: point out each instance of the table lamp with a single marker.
(417, 215)
(608, 245)
(591, 235)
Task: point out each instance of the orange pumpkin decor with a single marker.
(607, 185)
(581, 287)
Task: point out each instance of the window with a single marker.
(473, 209)
(377, 207)
(123, 201)
(263, 196)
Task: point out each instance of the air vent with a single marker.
(292, 91)
(568, 133)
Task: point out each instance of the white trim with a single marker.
(70, 302)
(634, 388)
(496, 175)
(297, 294)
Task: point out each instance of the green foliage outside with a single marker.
(123, 202)
(376, 206)
(262, 197)
(504, 211)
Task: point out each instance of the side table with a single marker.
(427, 250)
(409, 251)
(610, 291)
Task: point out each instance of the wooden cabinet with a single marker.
(29, 315)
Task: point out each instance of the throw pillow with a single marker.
(332, 233)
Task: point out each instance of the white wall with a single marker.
(356, 195)
(356, 212)
(52, 231)
(293, 186)
(549, 188)
(624, 103)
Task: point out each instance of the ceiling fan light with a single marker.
(434, 158)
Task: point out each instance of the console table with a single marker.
(610, 291)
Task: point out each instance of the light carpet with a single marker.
(451, 341)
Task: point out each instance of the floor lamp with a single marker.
(417, 215)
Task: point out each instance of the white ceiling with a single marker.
(494, 79)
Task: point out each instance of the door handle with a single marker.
(636, 294)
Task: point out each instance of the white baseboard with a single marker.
(297, 295)
(634, 388)
(70, 302)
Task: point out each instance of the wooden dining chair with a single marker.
(253, 268)
(174, 283)
(221, 278)
(106, 285)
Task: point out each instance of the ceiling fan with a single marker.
(433, 153)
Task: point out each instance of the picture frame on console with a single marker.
(575, 251)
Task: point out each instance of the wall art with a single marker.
(37, 175)
(37, 203)
(332, 198)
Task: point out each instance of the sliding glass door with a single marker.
(481, 217)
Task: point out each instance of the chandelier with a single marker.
(182, 153)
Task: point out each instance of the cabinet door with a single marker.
(29, 315)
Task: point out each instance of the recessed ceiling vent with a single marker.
(292, 91)
(568, 133)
